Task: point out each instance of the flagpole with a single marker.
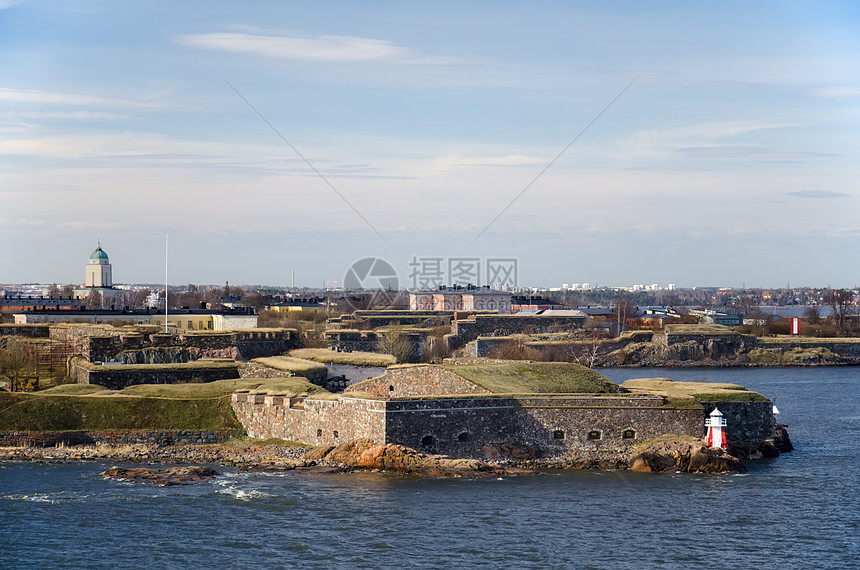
(165, 283)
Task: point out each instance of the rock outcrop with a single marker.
(674, 453)
(168, 476)
(365, 454)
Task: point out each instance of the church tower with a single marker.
(99, 270)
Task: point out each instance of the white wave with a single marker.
(34, 498)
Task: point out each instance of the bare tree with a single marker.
(255, 299)
(93, 300)
(842, 303)
(812, 314)
(624, 309)
(397, 344)
(53, 291)
(14, 360)
(137, 299)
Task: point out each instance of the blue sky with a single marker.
(731, 160)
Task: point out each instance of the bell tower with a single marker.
(99, 270)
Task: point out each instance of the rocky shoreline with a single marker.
(664, 454)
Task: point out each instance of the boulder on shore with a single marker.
(673, 453)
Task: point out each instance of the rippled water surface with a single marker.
(797, 511)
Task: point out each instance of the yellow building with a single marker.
(199, 320)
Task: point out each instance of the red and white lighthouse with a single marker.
(716, 434)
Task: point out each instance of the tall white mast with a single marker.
(165, 283)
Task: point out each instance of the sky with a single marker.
(609, 143)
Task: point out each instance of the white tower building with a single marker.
(99, 270)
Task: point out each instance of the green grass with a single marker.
(291, 364)
(30, 412)
(699, 391)
(220, 388)
(326, 356)
(536, 378)
(72, 390)
(203, 406)
(782, 340)
(698, 329)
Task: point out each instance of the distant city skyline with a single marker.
(272, 137)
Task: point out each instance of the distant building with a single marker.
(99, 279)
(459, 298)
(21, 303)
(177, 319)
(528, 303)
(207, 319)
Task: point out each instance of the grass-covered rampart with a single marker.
(536, 378)
(697, 391)
(356, 358)
(204, 406)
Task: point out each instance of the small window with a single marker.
(628, 434)
(391, 388)
(558, 434)
(335, 434)
(594, 434)
(319, 433)
(464, 437)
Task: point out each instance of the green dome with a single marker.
(99, 253)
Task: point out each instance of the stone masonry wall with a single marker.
(315, 422)
(465, 331)
(748, 422)
(114, 379)
(418, 381)
(100, 347)
(29, 331)
(554, 424)
(116, 437)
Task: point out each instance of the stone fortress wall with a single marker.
(461, 426)
(465, 331)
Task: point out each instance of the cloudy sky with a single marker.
(271, 137)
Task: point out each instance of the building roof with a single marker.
(99, 253)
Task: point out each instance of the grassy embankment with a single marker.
(198, 406)
(687, 394)
(298, 366)
(356, 358)
(536, 378)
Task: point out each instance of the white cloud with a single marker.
(653, 143)
(5, 4)
(320, 48)
(447, 162)
(72, 115)
(817, 194)
(78, 99)
(835, 93)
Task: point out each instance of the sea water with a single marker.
(797, 511)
